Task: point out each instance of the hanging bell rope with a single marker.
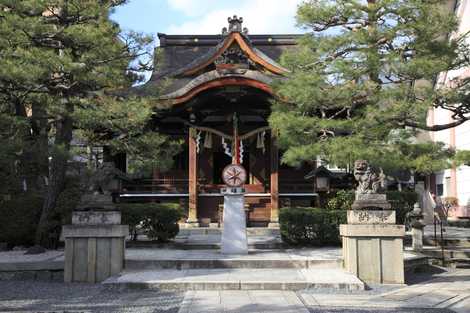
(226, 148)
(198, 142)
(208, 140)
(260, 141)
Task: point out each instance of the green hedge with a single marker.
(158, 221)
(311, 226)
(18, 218)
(402, 202)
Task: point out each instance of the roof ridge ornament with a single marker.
(235, 26)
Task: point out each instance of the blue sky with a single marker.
(207, 16)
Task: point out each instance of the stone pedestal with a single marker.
(94, 246)
(372, 243)
(374, 252)
(234, 238)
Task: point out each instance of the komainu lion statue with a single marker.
(103, 179)
(369, 180)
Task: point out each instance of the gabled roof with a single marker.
(193, 63)
(254, 54)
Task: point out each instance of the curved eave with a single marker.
(214, 80)
(254, 54)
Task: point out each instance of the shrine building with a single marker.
(217, 97)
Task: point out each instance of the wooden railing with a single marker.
(156, 186)
(177, 185)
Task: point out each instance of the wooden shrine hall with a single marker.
(217, 98)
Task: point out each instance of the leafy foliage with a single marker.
(19, 217)
(402, 202)
(311, 226)
(342, 200)
(462, 158)
(360, 84)
(159, 221)
(65, 72)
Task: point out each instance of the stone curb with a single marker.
(227, 263)
(32, 266)
(201, 246)
(230, 285)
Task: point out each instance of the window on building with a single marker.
(440, 190)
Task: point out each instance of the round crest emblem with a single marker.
(234, 175)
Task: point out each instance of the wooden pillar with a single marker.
(192, 210)
(274, 220)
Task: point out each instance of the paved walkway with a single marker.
(446, 291)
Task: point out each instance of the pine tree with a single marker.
(363, 80)
(62, 67)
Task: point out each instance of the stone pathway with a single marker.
(241, 302)
(446, 292)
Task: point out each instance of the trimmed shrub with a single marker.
(19, 218)
(159, 221)
(402, 202)
(311, 226)
(342, 200)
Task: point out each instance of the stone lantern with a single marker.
(416, 221)
(322, 178)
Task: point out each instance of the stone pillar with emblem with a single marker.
(372, 242)
(234, 237)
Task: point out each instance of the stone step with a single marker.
(456, 253)
(325, 257)
(251, 231)
(236, 279)
(448, 242)
(230, 263)
(193, 245)
(459, 263)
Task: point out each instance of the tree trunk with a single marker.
(39, 125)
(57, 178)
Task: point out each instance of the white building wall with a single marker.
(459, 137)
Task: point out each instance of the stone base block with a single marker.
(274, 225)
(189, 225)
(374, 253)
(93, 253)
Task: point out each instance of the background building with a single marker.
(453, 184)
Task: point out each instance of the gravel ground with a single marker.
(27, 296)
